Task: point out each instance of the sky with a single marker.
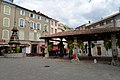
(73, 12)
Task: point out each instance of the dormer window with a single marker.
(38, 17)
(31, 15)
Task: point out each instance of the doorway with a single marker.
(34, 49)
(99, 50)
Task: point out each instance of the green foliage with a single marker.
(10, 50)
(70, 47)
(50, 47)
(81, 45)
(17, 49)
(13, 49)
(107, 44)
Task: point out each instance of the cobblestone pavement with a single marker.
(37, 68)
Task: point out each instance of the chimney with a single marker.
(89, 22)
(38, 12)
(34, 11)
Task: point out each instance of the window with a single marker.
(31, 15)
(51, 30)
(118, 23)
(55, 23)
(7, 10)
(35, 26)
(46, 20)
(38, 17)
(52, 22)
(108, 21)
(21, 35)
(6, 22)
(31, 36)
(21, 22)
(22, 12)
(55, 30)
(46, 28)
(102, 23)
(5, 34)
(94, 26)
(38, 26)
(31, 25)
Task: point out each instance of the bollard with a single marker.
(95, 61)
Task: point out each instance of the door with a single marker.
(34, 49)
(99, 50)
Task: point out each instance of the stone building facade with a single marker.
(31, 25)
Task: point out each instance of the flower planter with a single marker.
(14, 55)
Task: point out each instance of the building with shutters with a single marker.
(31, 25)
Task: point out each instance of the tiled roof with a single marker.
(83, 32)
(27, 9)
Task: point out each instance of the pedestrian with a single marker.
(75, 54)
(43, 52)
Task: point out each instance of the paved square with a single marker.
(37, 68)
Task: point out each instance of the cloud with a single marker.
(72, 12)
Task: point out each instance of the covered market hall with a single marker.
(88, 35)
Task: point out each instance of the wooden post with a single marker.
(89, 48)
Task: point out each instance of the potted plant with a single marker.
(13, 52)
(70, 47)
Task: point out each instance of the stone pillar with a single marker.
(89, 48)
(46, 49)
(114, 50)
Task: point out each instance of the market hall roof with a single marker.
(91, 33)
